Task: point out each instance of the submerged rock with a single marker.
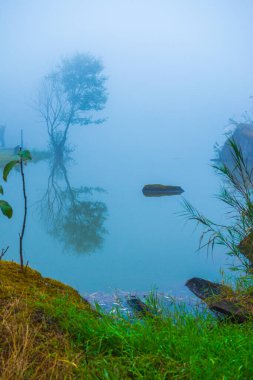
(204, 289)
(157, 190)
(232, 308)
(139, 307)
(222, 300)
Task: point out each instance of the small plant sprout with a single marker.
(24, 157)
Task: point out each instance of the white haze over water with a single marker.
(177, 71)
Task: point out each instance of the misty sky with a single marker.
(177, 70)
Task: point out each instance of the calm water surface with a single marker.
(177, 71)
(137, 243)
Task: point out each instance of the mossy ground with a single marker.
(32, 344)
(47, 331)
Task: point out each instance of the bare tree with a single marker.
(70, 95)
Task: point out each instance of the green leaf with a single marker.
(25, 155)
(234, 269)
(6, 209)
(1, 190)
(8, 167)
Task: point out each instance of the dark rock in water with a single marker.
(204, 288)
(232, 309)
(161, 190)
(139, 307)
(221, 299)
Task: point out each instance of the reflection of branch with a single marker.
(70, 216)
(83, 228)
(52, 199)
(69, 188)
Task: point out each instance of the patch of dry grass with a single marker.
(32, 345)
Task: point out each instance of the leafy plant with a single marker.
(24, 157)
(5, 206)
(237, 194)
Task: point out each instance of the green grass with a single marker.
(182, 346)
(47, 331)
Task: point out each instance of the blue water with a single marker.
(177, 71)
(145, 242)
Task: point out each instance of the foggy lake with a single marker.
(175, 73)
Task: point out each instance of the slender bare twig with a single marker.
(21, 235)
(4, 250)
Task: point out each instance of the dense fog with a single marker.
(176, 72)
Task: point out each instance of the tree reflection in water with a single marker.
(70, 213)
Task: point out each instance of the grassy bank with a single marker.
(47, 331)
